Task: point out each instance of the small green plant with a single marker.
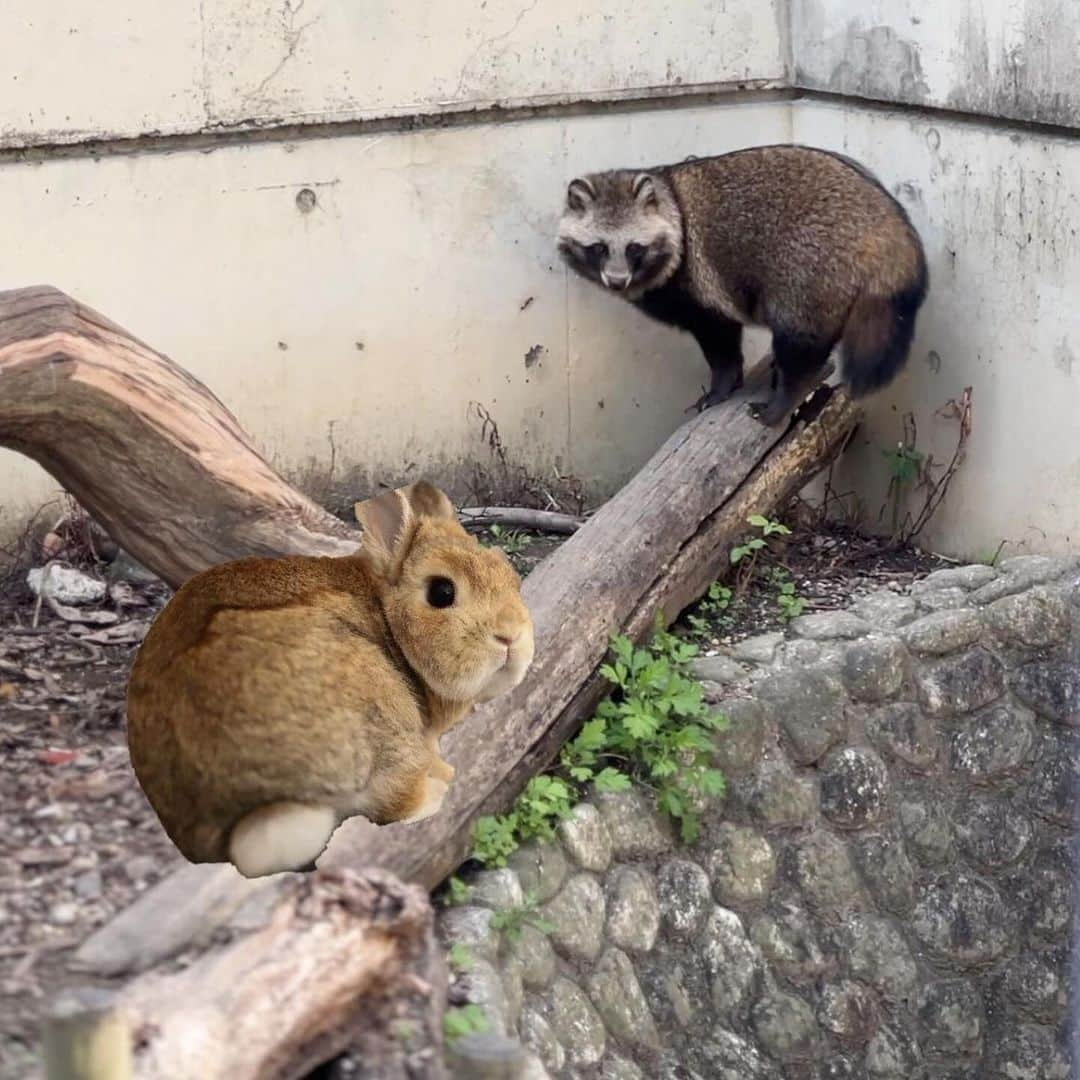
(790, 603)
(905, 465)
(512, 541)
(545, 801)
(456, 892)
(513, 920)
(655, 728)
(710, 609)
(464, 1020)
(767, 528)
(460, 957)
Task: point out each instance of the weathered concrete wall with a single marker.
(127, 68)
(884, 892)
(998, 214)
(424, 278)
(1007, 58)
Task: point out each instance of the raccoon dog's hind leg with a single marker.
(721, 342)
(797, 363)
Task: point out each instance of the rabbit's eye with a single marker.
(440, 592)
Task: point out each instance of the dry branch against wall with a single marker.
(154, 457)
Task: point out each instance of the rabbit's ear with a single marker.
(387, 521)
(428, 501)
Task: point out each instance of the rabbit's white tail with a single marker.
(280, 836)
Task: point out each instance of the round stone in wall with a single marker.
(962, 683)
(874, 668)
(1028, 1052)
(808, 706)
(586, 838)
(893, 1054)
(786, 1027)
(637, 829)
(742, 865)
(685, 899)
(540, 867)
(788, 941)
(741, 746)
(849, 1010)
(964, 920)
(536, 1034)
(928, 831)
(536, 956)
(902, 731)
(952, 1015)
(822, 869)
(577, 917)
(1055, 778)
(614, 989)
(633, 918)
(877, 953)
(887, 871)
(1037, 618)
(854, 787)
(1035, 982)
(575, 1023)
(774, 796)
(992, 832)
(733, 964)
(993, 744)
(722, 1055)
(1051, 688)
(944, 632)
(1043, 893)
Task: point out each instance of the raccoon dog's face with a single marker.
(622, 230)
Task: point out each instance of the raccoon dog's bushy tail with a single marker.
(877, 337)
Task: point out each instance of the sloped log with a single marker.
(146, 448)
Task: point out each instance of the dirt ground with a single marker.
(79, 841)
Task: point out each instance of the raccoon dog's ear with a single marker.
(579, 194)
(644, 190)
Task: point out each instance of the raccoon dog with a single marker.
(803, 241)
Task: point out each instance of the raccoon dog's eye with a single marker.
(440, 592)
(597, 251)
(635, 253)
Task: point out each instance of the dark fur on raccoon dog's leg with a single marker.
(720, 340)
(797, 364)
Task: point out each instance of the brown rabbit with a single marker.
(273, 698)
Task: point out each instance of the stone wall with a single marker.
(884, 891)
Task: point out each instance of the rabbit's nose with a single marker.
(506, 639)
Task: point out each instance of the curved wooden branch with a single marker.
(146, 448)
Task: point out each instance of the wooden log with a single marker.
(344, 959)
(655, 546)
(145, 447)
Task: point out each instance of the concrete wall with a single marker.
(998, 215)
(997, 206)
(127, 69)
(1004, 58)
(425, 277)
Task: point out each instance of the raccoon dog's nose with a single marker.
(615, 281)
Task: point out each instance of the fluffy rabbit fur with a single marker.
(273, 698)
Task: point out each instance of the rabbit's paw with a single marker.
(442, 770)
(434, 792)
(280, 836)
